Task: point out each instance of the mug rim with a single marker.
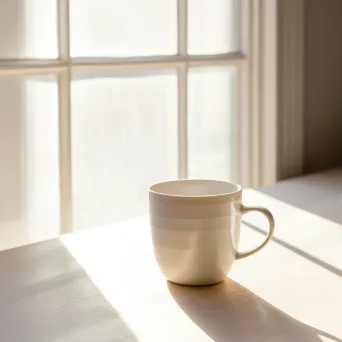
(237, 190)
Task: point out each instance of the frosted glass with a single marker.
(123, 28)
(28, 29)
(211, 123)
(29, 186)
(212, 26)
(124, 129)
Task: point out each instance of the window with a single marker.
(99, 99)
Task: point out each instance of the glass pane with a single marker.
(28, 29)
(29, 191)
(211, 122)
(124, 129)
(212, 26)
(123, 28)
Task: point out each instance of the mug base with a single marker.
(199, 284)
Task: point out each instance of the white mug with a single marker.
(196, 227)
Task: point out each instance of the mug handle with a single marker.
(269, 216)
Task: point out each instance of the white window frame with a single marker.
(257, 100)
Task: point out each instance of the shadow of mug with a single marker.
(230, 312)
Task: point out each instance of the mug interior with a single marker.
(194, 188)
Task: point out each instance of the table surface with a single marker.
(104, 285)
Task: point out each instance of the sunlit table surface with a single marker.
(104, 285)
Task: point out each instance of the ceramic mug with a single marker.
(196, 227)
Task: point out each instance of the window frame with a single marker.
(255, 61)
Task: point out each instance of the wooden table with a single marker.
(104, 285)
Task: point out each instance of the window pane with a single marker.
(211, 122)
(28, 29)
(123, 28)
(124, 129)
(212, 26)
(29, 198)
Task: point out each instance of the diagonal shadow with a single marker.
(298, 251)
(45, 295)
(230, 312)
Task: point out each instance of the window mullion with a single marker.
(63, 30)
(182, 36)
(256, 90)
(182, 27)
(46, 66)
(182, 122)
(64, 98)
(244, 166)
